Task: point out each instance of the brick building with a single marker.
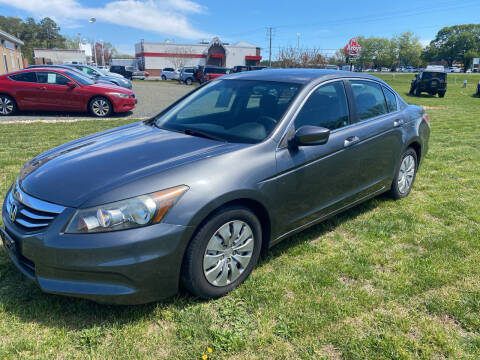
(11, 58)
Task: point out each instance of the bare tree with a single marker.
(180, 56)
(294, 57)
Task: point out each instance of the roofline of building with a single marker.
(71, 50)
(11, 37)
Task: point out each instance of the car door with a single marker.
(316, 180)
(55, 94)
(378, 126)
(25, 89)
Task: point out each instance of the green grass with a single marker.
(384, 280)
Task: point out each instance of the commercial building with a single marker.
(59, 56)
(11, 58)
(154, 56)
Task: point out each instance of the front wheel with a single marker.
(188, 81)
(441, 94)
(7, 105)
(164, 77)
(223, 253)
(405, 175)
(100, 107)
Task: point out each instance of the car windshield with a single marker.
(78, 77)
(243, 111)
(102, 71)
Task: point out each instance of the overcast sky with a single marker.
(318, 24)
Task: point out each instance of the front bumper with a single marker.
(121, 267)
(123, 104)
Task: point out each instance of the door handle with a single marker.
(42, 88)
(398, 123)
(350, 141)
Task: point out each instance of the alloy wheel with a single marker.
(100, 107)
(6, 105)
(228, 253)
(406, 174)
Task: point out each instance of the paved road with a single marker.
(152, 97)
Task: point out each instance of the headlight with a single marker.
(120, 95)
(126, 214)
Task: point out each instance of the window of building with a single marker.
(5, 63)
(326, 107)
(369, 98)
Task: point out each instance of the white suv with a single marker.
(170, 74)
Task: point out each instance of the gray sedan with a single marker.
(193, 196)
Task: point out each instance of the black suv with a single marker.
(130, 72)
(432, 81)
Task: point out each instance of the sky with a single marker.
(318, 24)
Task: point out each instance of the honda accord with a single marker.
(60, 89)
(194, 195)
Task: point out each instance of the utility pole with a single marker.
(270, 29)
(92, 21)
(298, 40)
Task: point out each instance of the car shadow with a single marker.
(22, 298)
(64, 115)
(423, 95)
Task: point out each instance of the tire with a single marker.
(441, 94)
(188, 81)
(208, 265)
(100, 107)
(164, 77)
(417, 92)
(8, 106)
(398, 191)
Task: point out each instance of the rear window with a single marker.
(168, 69)
(26, 77)
(188, 70)
(391, 100)
(216, 71)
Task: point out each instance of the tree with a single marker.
(45, 34)
(454, 43)
(409, 49)
(377, 52)
(179, 57)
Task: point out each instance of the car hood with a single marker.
(73, 173)
(110, 87)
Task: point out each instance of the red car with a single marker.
(213, 72)
(61, 90)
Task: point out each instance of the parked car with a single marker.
(101, 75)
(129, 72)
(239, 68)
(170, 74)
(192, 196)
(92, 77)
(58, 89)
(430, 80)
(208, 73)
(187, 75)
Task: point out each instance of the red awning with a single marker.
(253, 57)
(217, 56)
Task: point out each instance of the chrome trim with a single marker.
(35, 203)
(30, 225)
(33, 216)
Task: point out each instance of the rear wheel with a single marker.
(188, 81)
(223, 253)
(417, 92)
(7, 105)
(405, 175)
(100, 107)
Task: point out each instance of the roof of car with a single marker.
(47, 67)
(301, 76)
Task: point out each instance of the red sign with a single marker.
(353, 48)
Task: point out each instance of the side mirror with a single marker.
(71, 84)
(311, 135)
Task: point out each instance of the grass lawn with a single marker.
(384, 280)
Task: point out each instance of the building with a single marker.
(59, 56)
(154, 56)
(11, 58)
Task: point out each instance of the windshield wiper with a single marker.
(199, 133)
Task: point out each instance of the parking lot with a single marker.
(152, 97)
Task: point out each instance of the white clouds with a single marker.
(164, 17)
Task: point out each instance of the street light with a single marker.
(103, 53)
(92, 21)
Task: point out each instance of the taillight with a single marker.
(426, 118)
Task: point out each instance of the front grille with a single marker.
(28, 212)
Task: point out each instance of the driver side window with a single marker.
(326, 107)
